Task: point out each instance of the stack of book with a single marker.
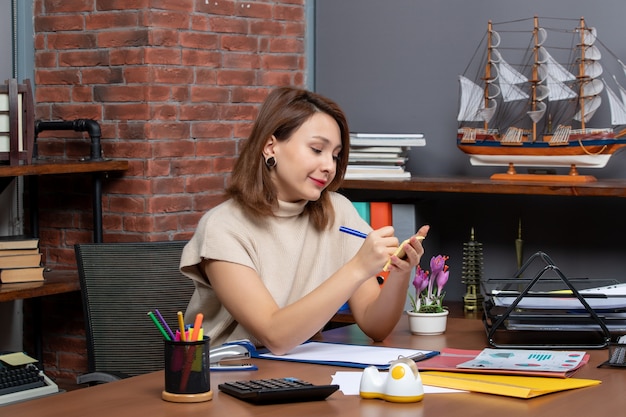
(381, 155)
(20, 259)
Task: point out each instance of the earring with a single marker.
(270, 162)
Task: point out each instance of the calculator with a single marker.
(277, 390)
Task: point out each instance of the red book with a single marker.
(380, 214)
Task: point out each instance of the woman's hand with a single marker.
(375, 251)
(413, 251)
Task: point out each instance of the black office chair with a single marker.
(121, 283)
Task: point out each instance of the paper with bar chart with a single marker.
(523, 359)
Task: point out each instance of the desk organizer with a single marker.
(551, 311)
(617, 355)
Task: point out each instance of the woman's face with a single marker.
(306, 163)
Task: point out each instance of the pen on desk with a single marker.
(181, 324)
(167, 328)
(414, 357)
(352, 232)
(158, 325)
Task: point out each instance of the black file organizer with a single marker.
(550, 328)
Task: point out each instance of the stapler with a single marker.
(239, 349)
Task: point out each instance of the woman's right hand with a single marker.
(377, 247)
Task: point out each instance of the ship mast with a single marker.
(581, 74)
(535, 76)
(488, 69)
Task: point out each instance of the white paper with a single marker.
(335, 352)
(349, 383)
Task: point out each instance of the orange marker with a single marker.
(196, 327)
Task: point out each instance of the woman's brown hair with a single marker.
(284, 110)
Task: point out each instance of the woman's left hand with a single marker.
(413, 251)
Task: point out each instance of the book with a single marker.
(386, 135)
(373, 159)
(403, 220)
(376, 171)
(18, 242)
(377, 176)
(363, 207)
(21, 275)
(11, 252)
(380, 214)
(398, 150)
(387, 139)
(20, 261)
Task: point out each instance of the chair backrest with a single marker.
(121, 283)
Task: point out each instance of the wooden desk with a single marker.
(142, 395)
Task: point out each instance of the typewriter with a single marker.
(21, 379)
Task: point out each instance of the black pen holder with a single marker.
(187, 371)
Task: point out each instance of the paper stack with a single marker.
(381, 155)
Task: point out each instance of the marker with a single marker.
(167, 328)
(158, 325)
(181, 324)
(400, 251)
(196, 327)
(352, 232)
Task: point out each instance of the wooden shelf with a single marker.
(600, 188)
(50, 167)
(56, 282)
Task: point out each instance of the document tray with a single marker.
(551, 311)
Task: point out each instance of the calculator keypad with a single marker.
(277, 390)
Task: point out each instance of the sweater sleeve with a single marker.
(217, 237)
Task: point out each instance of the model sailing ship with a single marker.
(537, 111)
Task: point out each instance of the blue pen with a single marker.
(352, 232)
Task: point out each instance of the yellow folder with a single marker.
(512, 386)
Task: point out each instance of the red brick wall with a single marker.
(175, 86)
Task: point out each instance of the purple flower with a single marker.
(425, 298)
(437, 264)
(420, 282)
(442, 279)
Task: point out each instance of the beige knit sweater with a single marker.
(288, 254)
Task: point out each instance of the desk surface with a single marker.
(142, 395)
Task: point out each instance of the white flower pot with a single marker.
(427, 323)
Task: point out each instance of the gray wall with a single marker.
(393, 66)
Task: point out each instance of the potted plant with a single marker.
(428, 315)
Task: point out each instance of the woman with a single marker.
(270, 263)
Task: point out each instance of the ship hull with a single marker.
(594, 153)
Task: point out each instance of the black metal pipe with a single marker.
(79, 125)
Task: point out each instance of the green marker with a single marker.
(158, 325)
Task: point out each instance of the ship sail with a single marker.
(591, 86)
(472, 108)
(556, 77)
(617, 105)
(509, 78)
